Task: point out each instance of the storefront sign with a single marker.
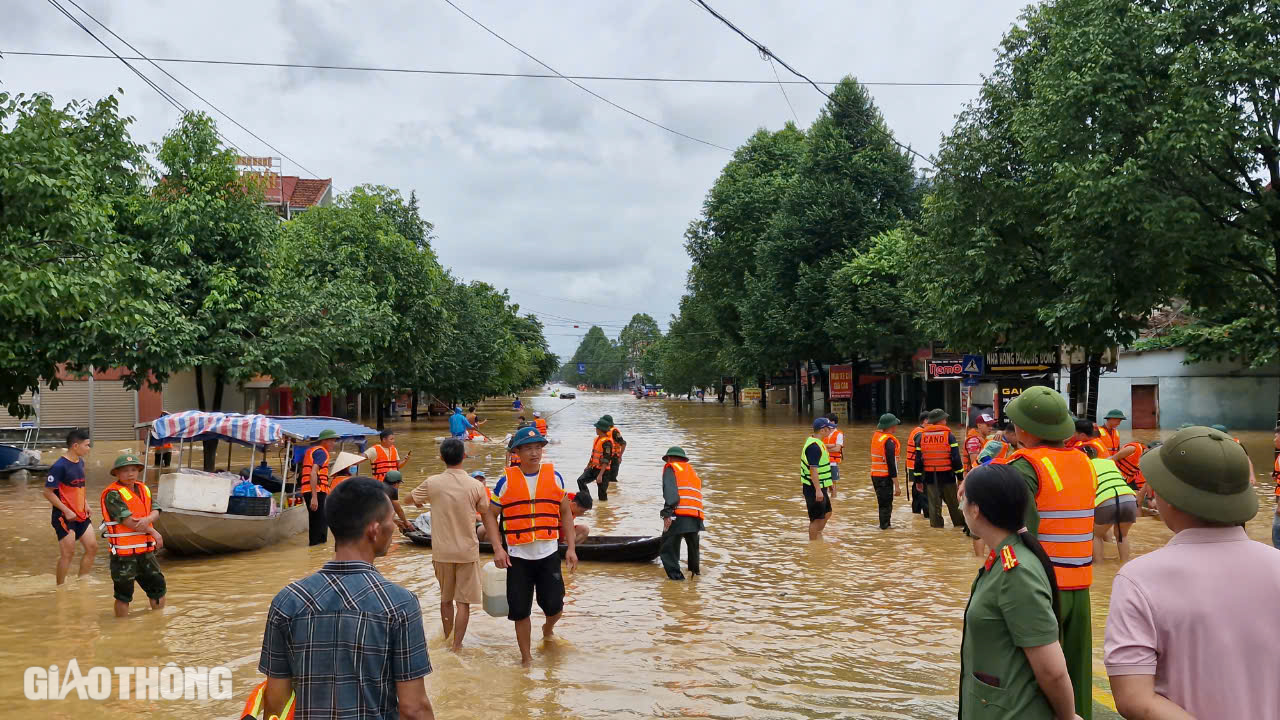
(1000, 361)
(945, 369)
(751, 393)
(1007, 390)
(840, 382)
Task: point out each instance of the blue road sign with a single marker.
(970, 380)
(973, 365)
(582, 368)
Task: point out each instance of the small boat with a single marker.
(568, 396)
(596, 548)
(14, 458)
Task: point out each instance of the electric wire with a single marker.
(186, 87)
(475, 73)
(582, 87)
(782, 88)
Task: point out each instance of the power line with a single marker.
(163, 93)
(766, 51)
(193, 92)
(478, 73)
(584, 88)
(782, 88)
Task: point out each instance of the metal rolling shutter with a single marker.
(66, 406)
(114, 410)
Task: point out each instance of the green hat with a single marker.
(1114, 415)
(393, 477)
(126, 459)
(607, 418)
(1203, 472)
(603, 424)
(326, 434)
(1042, 412)
(676, 451)
(937, 416)
(887, 421)
(1219, 428)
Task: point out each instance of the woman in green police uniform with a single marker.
(1011, 665)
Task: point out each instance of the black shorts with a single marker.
(62, 526)
(525, 576)
(142, 569)
(817, 510)
(163, 458)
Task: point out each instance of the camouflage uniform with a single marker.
(125, 570)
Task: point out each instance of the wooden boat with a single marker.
(596, 548)
(191, 532)
(568, 396)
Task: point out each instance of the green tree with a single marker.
(637, 338)
(604, 360)
(875, 314)
(76, 288)
(688, 352)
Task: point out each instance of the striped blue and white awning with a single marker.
(197, 425)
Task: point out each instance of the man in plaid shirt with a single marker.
(346, 641)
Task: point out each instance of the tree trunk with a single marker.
(382, 411)
(199, 373)
(211, 445)
(795, 364)
(413, 406)
(720, 393)
(826, 389)
(808, 389)
(764, 394)
(1095, 371)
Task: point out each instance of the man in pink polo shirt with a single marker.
(1190, 633)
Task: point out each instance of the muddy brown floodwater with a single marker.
(864, 625)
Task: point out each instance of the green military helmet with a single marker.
(1114, 415)
(607, 418)
(1201, 471)
(936, 416)
(125, 459)
(327, 434)
(675, 451)
(1042, 412)
(887, 421)
(393, 477)
(603, 425)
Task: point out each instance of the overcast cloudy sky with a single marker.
(532, 184)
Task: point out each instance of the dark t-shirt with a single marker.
(67, 479)
(813, 454)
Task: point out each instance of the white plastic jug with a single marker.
(494, 580)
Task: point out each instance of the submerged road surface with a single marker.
(865, 625)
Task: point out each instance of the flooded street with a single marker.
(867, 624)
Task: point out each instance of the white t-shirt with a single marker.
(537, 549)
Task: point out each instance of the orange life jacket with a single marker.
(1129, 466)
(384, 461)
(541, 424)
(936, 443)
(1065, 500)
(164, 448)
(322, 471)
(1275, 475)
(512, 459)
(126, 542)
(253, 706)
(597, 452)
(834, 451)
(1098, 445)
(618, 445)
(1006, 449)
(689, 486)
(879, 462)
(1110, 439)
(524, 518)
(911, 443)
(964, 451)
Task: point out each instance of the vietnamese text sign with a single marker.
(840, 380)
(945, 369)
(751, 393)
(1002, 361)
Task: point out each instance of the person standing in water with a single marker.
(815, 477)
(64, 489)
(127, 517)
(835, 448)
(884, 466)
(619, 445)
(682, 513)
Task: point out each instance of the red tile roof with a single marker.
(308, 192)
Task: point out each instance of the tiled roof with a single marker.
(308, 192)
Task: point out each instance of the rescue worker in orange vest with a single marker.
(1275, 478)
(385, 457)
(937, 455)
(602, 454)
(533, 507)
(619, 446)
(884, 466)
(1086, 433)
(255, 705)
(975, 438)
(835, 448)
(315, 484)
(126, 520)
(682, 513)
(915, 481)
(1063, 483)
(540, 423)
(1109, 432)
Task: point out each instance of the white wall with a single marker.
(1201, 394)
(180, 394)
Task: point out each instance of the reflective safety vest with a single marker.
(879, 461)
(824, 464)
(322, 471)
(936, 444)
(618, 443)
(1111, 483)
(384, 461)
(1098, 445)
(836, 451)
(964, 451)
(524, 518)
(1129, 466)
(541, 424)
(689, 487)
(597, 452)
(1005, 451)
(253, 707)
(1110, 439)
(911, 443)
(1064, 499)
(512, 459)
(126, 542)
(1275, 475)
